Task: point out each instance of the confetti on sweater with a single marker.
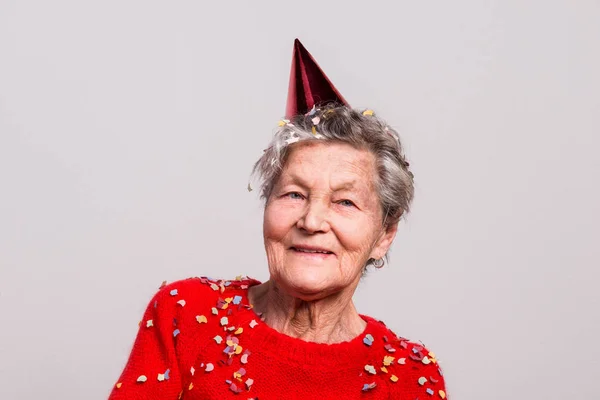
(369, 386)
(181, 302)
(173, 292)
(394, 364)
(149, 323)
(224, 321)
(201, 319)
(142, 378)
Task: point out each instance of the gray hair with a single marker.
(360, 129)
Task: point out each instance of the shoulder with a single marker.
(203, 288)
(197, 294)
(406, 366)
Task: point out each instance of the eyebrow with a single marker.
(298, 180)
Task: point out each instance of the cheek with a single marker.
(276, 223)
(356, 236)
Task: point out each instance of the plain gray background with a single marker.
(128, 130)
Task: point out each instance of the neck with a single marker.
(332, 319)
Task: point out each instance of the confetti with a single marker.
(201, 319)
(149, 323)
(176, 332)
(163, 284)
(442, 394)
(214, 311)
(218, 339)
(389, 348)
(173, 292)
(142, 378)
(224, 321)
(239, 373)
(181, 303)
(191, 386)
(249, 187)
(249, 383)
(209, 367)
(388, 360)
(192, 370)
(239, 331)
(244, 358)
(237, 299)
(316, 120)
(368, 386)
(235, 389)
(368, 339)
(214, 286)
(429, 391)
(253, 323)
(370, 369)
(422, 380)
(394, 378)
(118, 385)
(402, 361)
(426, 360)
(368, 112)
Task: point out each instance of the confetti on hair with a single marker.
(249, 187)
(316, 120)
(368, 112)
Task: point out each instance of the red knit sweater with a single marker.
(200, 339)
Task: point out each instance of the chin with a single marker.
(308, 282)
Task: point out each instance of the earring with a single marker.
(378, 262)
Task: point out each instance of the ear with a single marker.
(383, 243)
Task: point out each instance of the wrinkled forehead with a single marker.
(341, 165)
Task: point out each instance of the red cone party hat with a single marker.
(308, 84)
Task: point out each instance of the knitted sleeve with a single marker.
(417, 373)
(152, 371)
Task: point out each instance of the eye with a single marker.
(294, 196)
(346, 203)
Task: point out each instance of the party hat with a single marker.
(308, 84)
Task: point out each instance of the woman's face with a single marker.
(323, 220)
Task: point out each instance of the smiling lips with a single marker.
(311, 250)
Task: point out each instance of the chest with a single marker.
(261, 375)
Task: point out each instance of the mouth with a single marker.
(311, 250)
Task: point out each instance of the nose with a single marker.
(315, 218)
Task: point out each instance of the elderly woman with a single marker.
(335, 184)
